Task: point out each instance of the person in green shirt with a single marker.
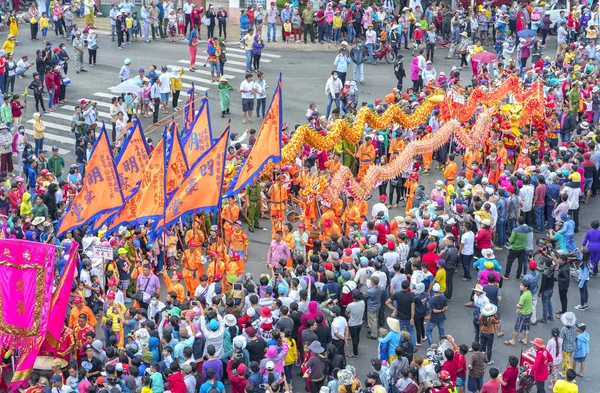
(39, 209)
(524, 310)
(6, 112)
(56, 164)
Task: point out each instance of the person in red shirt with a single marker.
(493, 385)
(237, 377)
(430, 257)
(483, 239)
(539, 369)
(461, 373)
(175, 382)
(51, 87)
(451, 364)
(508, 379)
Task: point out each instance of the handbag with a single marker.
(142, 296)
(66, 81)
(205, 21)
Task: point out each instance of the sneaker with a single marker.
(496, 248)
(491, 362)
(580, 308)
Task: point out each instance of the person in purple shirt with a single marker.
(592, 242)
(278, 250)
(148, 283)
(212, 362)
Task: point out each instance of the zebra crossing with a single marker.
(58, 123)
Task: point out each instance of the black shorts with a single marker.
(523, 323)
(247, 104)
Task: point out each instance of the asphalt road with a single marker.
(304, 74)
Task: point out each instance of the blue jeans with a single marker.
(272, 27)
(2, 81)
(549, 218)
(351, 33)
(330, 100)
(539, 217)
(547, 305)
(50, 97)
(583, 294)
(39, 145)
(370, 48)
(336, 35)
(405, 325)
(113, 28)
(358, 71)
(565, 137)
(501, 229)
(328, 29)
(429, 330)
(248, 59)
(466, 264)
(320, 32)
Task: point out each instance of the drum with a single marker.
(43, 366)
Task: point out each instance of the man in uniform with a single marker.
(79, 309)
(230, 214)
(278, 195)
(192, 265)
(253, 193)
(195, 234)
(396, 146)
(174, 285)
(365, 155)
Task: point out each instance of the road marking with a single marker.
(53, 137)
(235, 70)
(58, 116)
(240, 50)
(192, 76)
(238, 63)
(243, 57)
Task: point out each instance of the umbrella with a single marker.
(485, 57)
(126, 87)
(527, 33)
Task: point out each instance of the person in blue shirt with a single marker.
(568, 230)
(341, 64)
(161, 16)
(584, 277)
(210, 382)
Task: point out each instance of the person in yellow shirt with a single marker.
(79, 309)
(450, 170)
(44, 26)
(440, 275)
(9, 44)
(176, 84)
(115, 313)
(337, 26)
(278, 196)
(192, 264)
(287, 31)
(174, 285)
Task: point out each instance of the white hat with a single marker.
(485, 180)
(230, 320)
(585, 125)
(488, 253)
(436, 287)
(270, 365)
(486, 222)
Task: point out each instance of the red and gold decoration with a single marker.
(352, 133)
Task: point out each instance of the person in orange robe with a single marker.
(450, 171)
(502, 153)
(365, 156)
(427, 157)
(396, 146)
(334, 163)
(494, 173)
(363, 207)
(238, 243)
(192, 266)
(79, 309)
(276, 224)
(468, 158)
(412, 183)
(351, 215)
(79, 331)
(326, 213)
(338, 209)
(289, 239)
(173, 285)
(523, 161)
(230, 214)
(278, 195)
(195, 234)
(330, 228)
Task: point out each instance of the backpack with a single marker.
(213, 388)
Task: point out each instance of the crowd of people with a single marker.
(181, 312)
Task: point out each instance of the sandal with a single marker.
(501, 334)
(523, 342)
(508, 342)
(243, 121)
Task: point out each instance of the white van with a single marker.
(555, 9)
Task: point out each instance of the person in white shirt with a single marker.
(391, 257)
(339, 330)
(333, 87)
(380, 207)
(466, 250)
(371, 39)
(165, 88)
(261, 94)
(247, 88)
(526, 195)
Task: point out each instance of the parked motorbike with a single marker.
(545, 247)
(384, 51)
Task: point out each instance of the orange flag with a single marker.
(101, 192)
(177, 165)
(267, 146)
(131, 162)
(149, 201)
(199, 138)
(202, 186)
